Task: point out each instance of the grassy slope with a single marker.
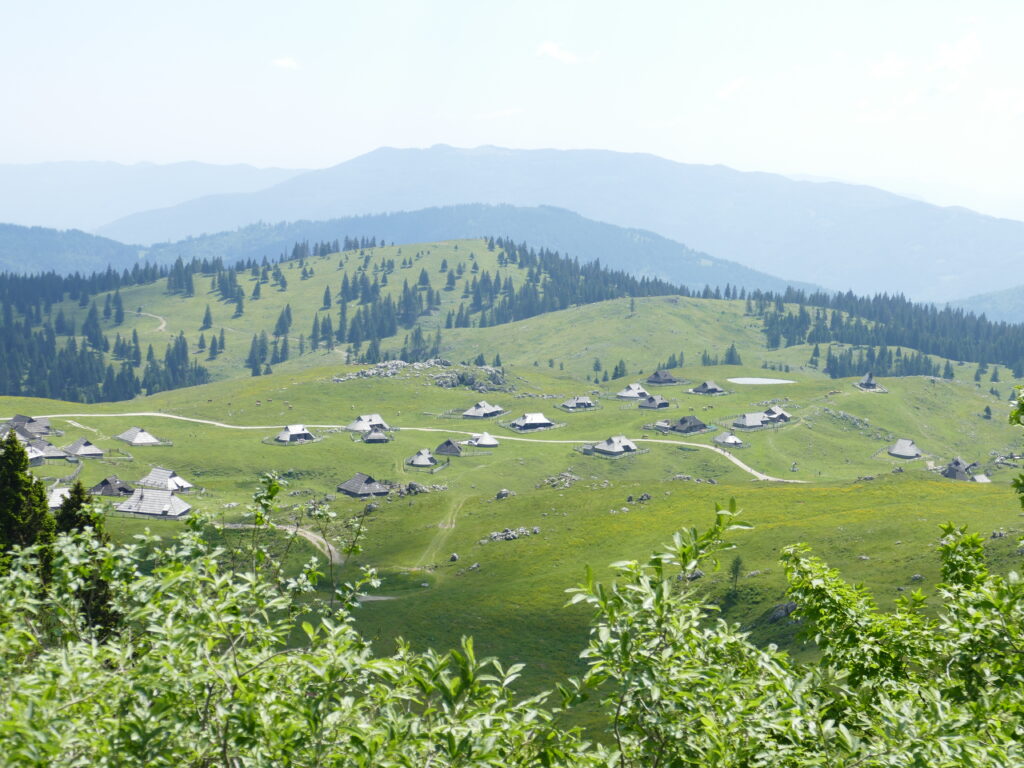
(513, 602)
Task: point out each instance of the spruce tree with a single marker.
(23, 507)
(75, 512)
(207, 319)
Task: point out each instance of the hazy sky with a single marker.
(925, 98)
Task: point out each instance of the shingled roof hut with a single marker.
(483, 410)
(83, 449)
(616, 445)
(905, 449)
(448, 448)
(578, 403)
(958, 469)
(728, 439)
(687, 425)
(40, 426)
(111, 486)
(367, 422)
(529, 421)
(654, 402)
(165, 480)
(751, 420)
(376, 436)
(707, 388)
(155, 502)
(632, 391)
(362, 486)
(138, 437)
(662, 377)
(483, 440)
(422, 458)
(295, 433)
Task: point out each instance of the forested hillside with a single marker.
(113, 335)
(27, 250)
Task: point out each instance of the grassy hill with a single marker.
(879, 530)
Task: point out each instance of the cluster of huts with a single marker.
(760, 419)
(32, 433)
(156, 494)
(957, 469)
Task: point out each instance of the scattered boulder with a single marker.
(454, 557)
(695, 574)
(781, 611)
(475, 567)
(917, 577)
(504, 493)
(511, 534)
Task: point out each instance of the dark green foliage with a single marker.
(23, 510)
(75, 512)
(732, 357)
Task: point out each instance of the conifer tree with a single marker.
(75, 513)
(23, 507)
(207, 319)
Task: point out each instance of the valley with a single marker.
(872, 515)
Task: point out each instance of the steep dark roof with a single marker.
(707, 387)
(361, 485)
(958, 469)
(868, 381)
(688, 424)
(82, 447)
(111, 486)
(661, 377)
(654, 401)
(449, 448)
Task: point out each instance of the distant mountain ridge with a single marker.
(841, 236)
(85, 195)
(644, 254)
(1005, 306)
(39, 249)
(635, 251)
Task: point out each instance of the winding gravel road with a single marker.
(155, 414)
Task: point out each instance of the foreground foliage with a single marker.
(201, 672)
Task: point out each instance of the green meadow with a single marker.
(871, 515)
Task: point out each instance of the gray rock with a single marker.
(454, 557)
(781, 611)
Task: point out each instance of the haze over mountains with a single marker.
(638, 252)
(85, 195)
(840, 236)
(835, 235)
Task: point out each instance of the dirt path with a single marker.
(163, 320)
(323, 546)
(153, 414)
